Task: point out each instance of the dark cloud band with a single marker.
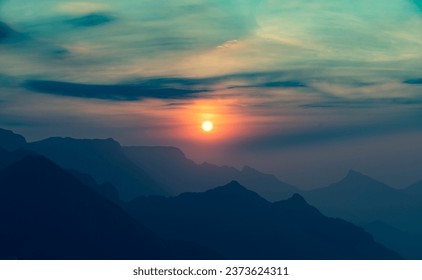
(160, 88)
(116, 92)
(91, 20)
(413, 81)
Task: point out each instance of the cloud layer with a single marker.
(274, 73)
(116, 92)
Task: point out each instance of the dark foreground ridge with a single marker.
(48, 214)
(240, 224)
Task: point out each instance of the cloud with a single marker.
(91, 20)
(320, 134)
(229, 44)
(8, 81)
(5, 31)
(413, 81)
(8, 34)
(115, 92)
(160, 87)
(364, 102)
(275, 84)
(359, 30)
(246, 79)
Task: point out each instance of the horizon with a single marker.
(238, 168)
(304, 90)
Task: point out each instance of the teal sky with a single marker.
(304, 89)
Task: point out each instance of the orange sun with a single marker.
(207, 126)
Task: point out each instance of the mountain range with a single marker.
(138, 171)
(363, 199)
(241, 225)
(47, 213)
(178, 174)
(123, 175)
(367, 202)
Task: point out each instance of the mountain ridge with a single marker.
(242, 225)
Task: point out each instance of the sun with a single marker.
(207, 126)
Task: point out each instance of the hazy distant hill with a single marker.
(355, 195)
(178, 174)
(103, 159)
(48, 214)
(138, 171)
(241, 225)
(363, 200)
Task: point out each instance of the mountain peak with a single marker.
(235, 193)
(234, 185)
(297, 198)
(298, 205)
(353, 176)
(357, 184)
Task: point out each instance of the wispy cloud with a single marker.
(207, 38)
(289, 73)
(163, 87)
(116, 92)
(91, 20)
(9, 35)
(365, 102)
(392, 124)
(6, 32)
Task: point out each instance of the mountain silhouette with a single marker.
(363, 200)
(103, 159)
(117, 172)
(141, 170)
(240, 224)
(177, 174)
(11, 141)
(355, 196)
(105, 189)
(7, 157)
(48, 214)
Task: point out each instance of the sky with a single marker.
(303, 89)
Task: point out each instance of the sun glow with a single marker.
(207, 126)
